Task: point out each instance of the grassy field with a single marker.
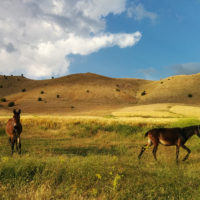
(96, 158)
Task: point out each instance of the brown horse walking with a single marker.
(13, 130)
(169, 137)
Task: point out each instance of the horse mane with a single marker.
(188, 131)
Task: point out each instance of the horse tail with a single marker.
(146, 134)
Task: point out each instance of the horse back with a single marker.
(10, 127)
(166, 136)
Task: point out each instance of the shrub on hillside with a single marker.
(3, 99)
(39, 99)
(58, 96)
(11, 104)
(143, 93)
(190, 95)
(1, 86)
(24, 90)
(42, 92)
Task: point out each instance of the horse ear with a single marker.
(14, 111)
(19, 111)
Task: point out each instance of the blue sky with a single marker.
(147, 39)
(168, 43)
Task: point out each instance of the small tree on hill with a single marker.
(143, 93)
(11, 104)
(3, 99)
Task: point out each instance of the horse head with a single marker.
(16, 118)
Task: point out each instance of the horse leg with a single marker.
(144, 148)
(19, 143)
(16, 144)
(177, 153)
(12, 145)
(188, 150)
(154, 151)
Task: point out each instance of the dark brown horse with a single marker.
(168, 137)
(13, 130)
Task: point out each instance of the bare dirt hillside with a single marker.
(86, 92)
(73, 93)
(176, 89)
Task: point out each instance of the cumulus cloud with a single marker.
(187, 68)
(37, 36)
(138, 12)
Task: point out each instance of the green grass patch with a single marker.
(91, 160)
(2, 131)
(185, 122)
(102, 177)
(89, 130)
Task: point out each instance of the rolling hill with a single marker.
(88, 92)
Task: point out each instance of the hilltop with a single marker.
(91, 92)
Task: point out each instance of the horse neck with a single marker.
(16, 120)
(191, 132)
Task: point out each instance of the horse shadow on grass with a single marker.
(84, 151)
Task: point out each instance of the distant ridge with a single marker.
(89, 91)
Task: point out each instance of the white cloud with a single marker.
(138, 12)
(97, 9)
(37, 36)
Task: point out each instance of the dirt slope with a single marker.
(86, 92)
(76, 92)
(175, 89)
